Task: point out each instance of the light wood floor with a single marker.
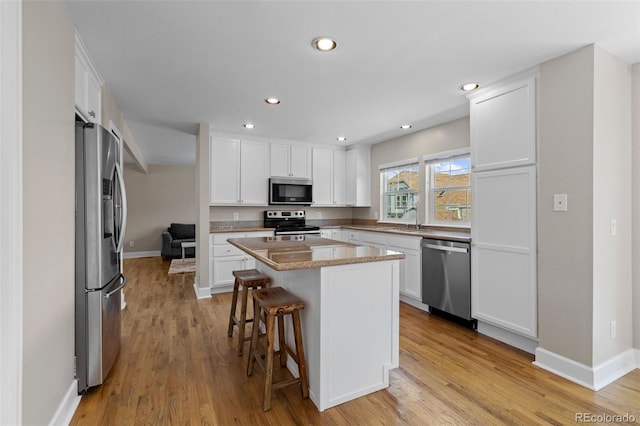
(177, 366)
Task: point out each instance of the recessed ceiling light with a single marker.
(405, 126)
(324, 44)
(341, 138)
(467, 87)
(249, 125)
(272, 101)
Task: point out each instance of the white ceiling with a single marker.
(173, 64)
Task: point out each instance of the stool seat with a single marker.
(248, 279)
(275, 303)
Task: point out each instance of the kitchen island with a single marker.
(350, 322)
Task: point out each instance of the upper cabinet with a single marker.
(503, 126)
(329, 177)
(88, 84)
(238, 172)
(358, 177)
(290, 160)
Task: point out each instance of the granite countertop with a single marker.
(289, 252)
(240, 228)
(461, 236)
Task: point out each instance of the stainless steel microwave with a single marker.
(290, 191)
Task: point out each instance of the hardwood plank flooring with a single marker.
(178, 367)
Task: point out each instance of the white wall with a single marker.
(444, 137)
(49, 209)
(565, 239)
(636, 202)
(163, 195)
(611, 201)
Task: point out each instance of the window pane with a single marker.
(440, 198)
(441, 214)
(458, 197)
(450, 196)
(441, 180)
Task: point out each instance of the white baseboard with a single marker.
(413, 302)
(505, 336)
(594, 378)
(137, 254)
(201, 293)
(67, 407)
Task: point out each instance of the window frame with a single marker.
(399, 165)
(429, 161)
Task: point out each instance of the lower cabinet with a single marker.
(410, 267)
(226, 258)
(333, 234)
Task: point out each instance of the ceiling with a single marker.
(173, 64)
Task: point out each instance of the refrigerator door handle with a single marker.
(123, 194)
(123, 280)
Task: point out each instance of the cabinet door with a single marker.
(253, 173)
(339, 177)
(358, 177)
(279, 156)
(322, 182)
(503, 254)
(94, 99)
(225, 171)
(410, 284)
(223, 268)
(300, 162)
(503, 126)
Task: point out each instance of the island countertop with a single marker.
(289, 252)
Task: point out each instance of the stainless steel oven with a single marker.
(289, 222)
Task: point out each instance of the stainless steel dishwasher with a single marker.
(446, 277)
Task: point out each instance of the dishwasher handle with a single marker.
(446, 248)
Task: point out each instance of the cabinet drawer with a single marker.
(411, 243)
(226, 250)
(374, 238)
(222, 237)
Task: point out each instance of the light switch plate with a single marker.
(560, 202)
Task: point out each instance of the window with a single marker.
(399, 193)
(449, 190)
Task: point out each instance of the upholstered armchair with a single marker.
(174, 236)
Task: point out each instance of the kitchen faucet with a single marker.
(406, 209)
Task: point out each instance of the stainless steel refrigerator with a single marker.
(101, 211)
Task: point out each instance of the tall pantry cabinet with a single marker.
(503, 224)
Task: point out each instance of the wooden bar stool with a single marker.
(276, 302)
(248, 279)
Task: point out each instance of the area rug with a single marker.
(180, 266)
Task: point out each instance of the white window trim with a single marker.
(395, 165)
(430, 158)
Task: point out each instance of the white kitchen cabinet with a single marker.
(358, 177)
(290, 160)
(504, 208)
(238, 172)
(332, 234)
(411, 267)
(503, 126)
(226, 258)
(88, 85)
(503, 258)
(329, 177)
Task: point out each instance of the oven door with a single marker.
(290, 191)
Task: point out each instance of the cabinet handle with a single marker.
(92, 114)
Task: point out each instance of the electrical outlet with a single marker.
(614, 330)
(132, 243)
(236, 215)
(614, 228)
(319, 215)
